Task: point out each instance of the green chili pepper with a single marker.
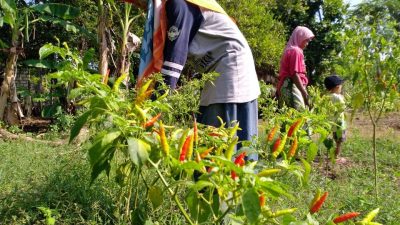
(189, 152)
(231, 148)
(268, 172)
(370, 216)
(163, 139)
(284, 212)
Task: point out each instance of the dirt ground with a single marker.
(388, 126)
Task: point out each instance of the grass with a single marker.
(351, 185)
(34, 175)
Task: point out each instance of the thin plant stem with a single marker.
(176, 199)
(375, 161)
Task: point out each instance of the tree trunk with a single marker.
(103, 47)
(8, 81)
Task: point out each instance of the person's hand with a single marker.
(307, 102)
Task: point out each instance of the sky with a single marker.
(353, 2)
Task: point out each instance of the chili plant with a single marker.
(370, 57)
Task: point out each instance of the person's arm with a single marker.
(295, 64)
(184, 20)
(297, 81)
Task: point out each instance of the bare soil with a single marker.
(388, 126)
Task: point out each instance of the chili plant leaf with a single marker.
(201, 184)
(307, 171)
(357, 100)
(103, 164)
(138, 151)
(156, 196)
(251, 205)
(312, 152)
(199, 209)
(192, 202)
(78, 125)
(275, 189)
(288, 220)
(99, 150)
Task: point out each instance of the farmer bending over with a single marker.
(202, 30)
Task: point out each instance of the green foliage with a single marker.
(59, 179)
(370, 56)
(48, 214)
(185, 100)
(264, 33)
(60, 10)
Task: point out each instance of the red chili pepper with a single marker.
(240, 159)
(294, 127)
(271, 134)
(206, 152)
(261, 198)
(276, 145)
(185, 148)
(233, 175)
(152, 121)
(317, 205)
(345, 217)
(195, 131)
(240, 162)
(293, 148)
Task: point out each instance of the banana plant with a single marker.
(19, 19)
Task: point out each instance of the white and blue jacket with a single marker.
(214, 41)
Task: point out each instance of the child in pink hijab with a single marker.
(291, 88)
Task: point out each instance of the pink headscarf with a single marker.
(299, 34)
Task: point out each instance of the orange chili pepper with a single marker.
(213, 134)
(261, 198)
(317, 205)
(206, 152)
(152, 121)
(271, 134)
(345, 217)
(293, 148)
